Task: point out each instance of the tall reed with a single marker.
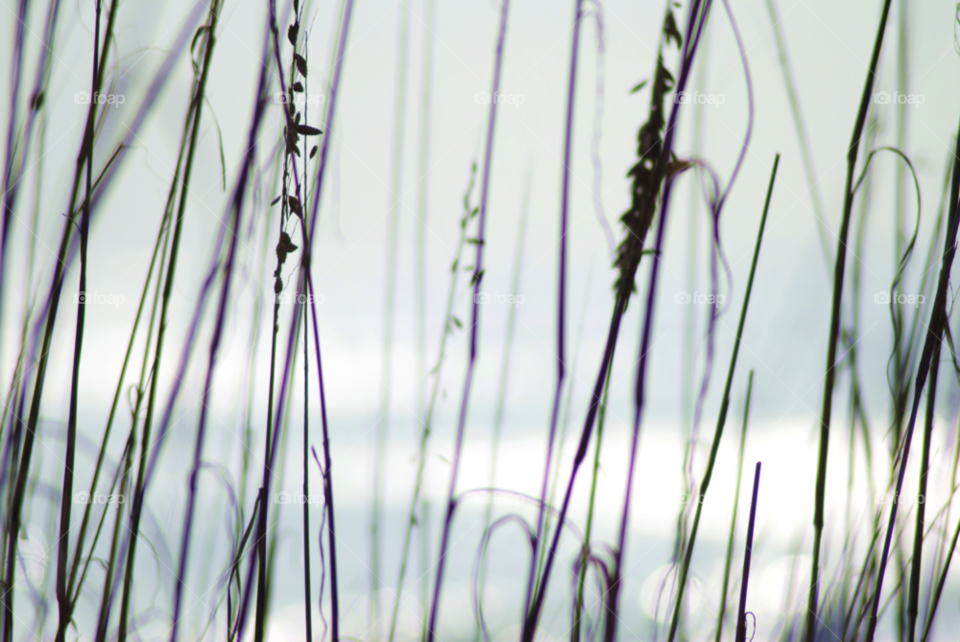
(831, 368)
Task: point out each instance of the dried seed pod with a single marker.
(294, 204)
(301, 64)
(284, 247)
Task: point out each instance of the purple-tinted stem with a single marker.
(561, 296)
(747, 554)
(328, 479)
(691, 41)
(477, 276)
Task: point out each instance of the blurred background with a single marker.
(745, 105)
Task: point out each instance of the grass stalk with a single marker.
(66, 499)
(841, 256)
(588, 531)
(914, 596)
(733, 517)
(308, 603)
(328, 477)
(722, 416)
(747, 555)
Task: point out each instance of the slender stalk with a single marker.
(831, 367)
(261, 538)
(747, 554)
(935, 600)
(722, 416)
(902, 610)
(585, 553)
(733, 518)
(308, 603)
(914, 596)
(474, 324)
(66, 499)
(328, 476)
